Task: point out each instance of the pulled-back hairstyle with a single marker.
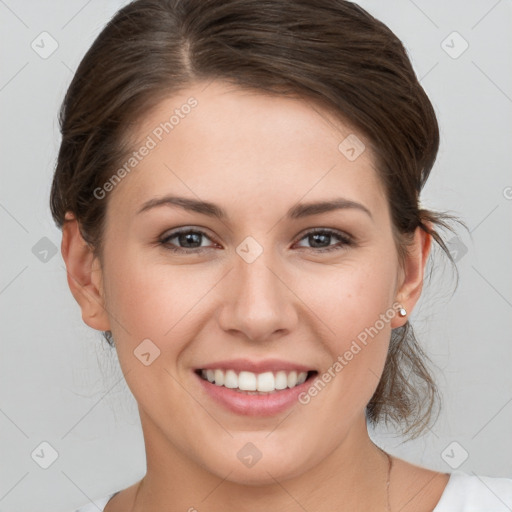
(330, 52)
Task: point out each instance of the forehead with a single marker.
(248, 149)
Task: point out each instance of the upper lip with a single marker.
(265, 365)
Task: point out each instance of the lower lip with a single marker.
(254, 405)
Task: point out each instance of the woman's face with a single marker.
(255, 290)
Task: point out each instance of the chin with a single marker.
(249, 465)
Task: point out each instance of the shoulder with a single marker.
(419, 489)
(98, 505)
(475, 493)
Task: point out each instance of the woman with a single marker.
(238, 187)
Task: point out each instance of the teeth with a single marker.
(292, 379)
(281, 380)
(266, 382)
(301, 377)
(219, 377)
(230, 379)
(246, 381)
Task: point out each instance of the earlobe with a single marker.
(83, 275)
(413, 274)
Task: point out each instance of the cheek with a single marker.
(355, 306)
(351, 297)
(163, 303)
(158, 310)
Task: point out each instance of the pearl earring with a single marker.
(402, 312)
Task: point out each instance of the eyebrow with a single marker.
(298, 211)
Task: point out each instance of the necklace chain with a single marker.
(390, 465)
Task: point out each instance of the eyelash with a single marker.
(346, 240)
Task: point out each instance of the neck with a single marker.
(353, 476)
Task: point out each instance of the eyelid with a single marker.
(346, 240)
(169, 234)
(331, 231)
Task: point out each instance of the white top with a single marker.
(463, 493)
(473, 493)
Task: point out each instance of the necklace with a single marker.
(390, 465)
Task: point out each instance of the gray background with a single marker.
(61, 384)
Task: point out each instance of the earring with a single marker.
(402, 312)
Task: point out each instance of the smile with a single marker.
(256, 389)
(255, 383)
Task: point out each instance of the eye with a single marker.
(192, 239)
(320, 239)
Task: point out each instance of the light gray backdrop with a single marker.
(61, 385)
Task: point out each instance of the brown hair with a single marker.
(331, 52)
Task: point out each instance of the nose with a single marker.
(259, 304)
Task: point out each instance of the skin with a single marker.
(256, 156)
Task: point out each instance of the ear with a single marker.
(412, 274)
(84, 275)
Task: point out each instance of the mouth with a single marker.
(251, 383)
(254, 389)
